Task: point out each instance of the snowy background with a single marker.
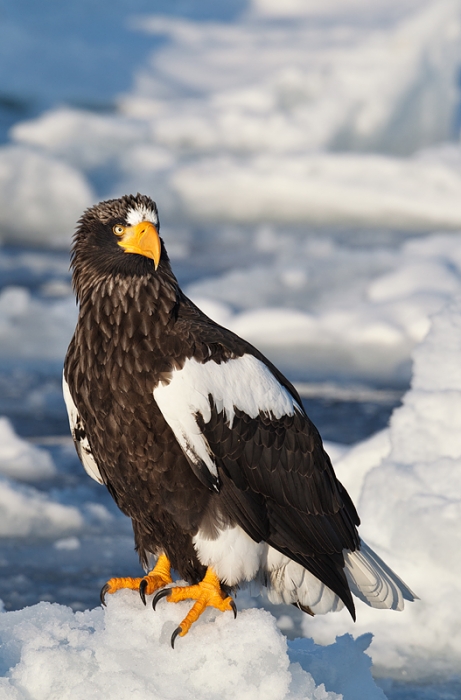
(306, 160)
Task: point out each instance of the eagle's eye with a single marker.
(119, 230)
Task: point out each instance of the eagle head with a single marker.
(118, 236)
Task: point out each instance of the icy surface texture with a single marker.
(124, 652)
(253, 135)
(317, 307)
(19, 459)
(319, 118)
(410, 506)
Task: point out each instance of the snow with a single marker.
(306, 160)
(52, 653)
(325, 188)
(406, 482)
(20, 460)
(306, 83)
(32, 327)
(413, 473)
(303, 121)
(335, 309)
(352, 465)
(82, 138)
(320, 308)
(26, 512)
(273, 139)
(55, 193)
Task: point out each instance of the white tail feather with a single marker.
(371, 580)
(289, 582)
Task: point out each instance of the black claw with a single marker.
(102, 595)
(177, 631)
(234, 608)
(160, 594)
(142, 590)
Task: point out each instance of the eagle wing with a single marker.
(242, 425)
(79, 435)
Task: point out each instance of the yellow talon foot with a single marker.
(207, 593)
(116, 584)
(157, 578)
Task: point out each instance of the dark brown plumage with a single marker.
(260, 471)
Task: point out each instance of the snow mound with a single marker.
(342, 666)
(323, 189)
(84, 139)
(26, 512)
(410, 505)
(31, 327)
(337, 310)
(41, 197)
(123, 652)
(20, 460)
(386, 83)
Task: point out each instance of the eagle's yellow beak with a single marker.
(142, 239)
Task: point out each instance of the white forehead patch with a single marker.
(140, 213)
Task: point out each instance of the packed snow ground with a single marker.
(124, 652)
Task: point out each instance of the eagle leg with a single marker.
(159, 577)
(207, 593)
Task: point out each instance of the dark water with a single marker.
(442, 690)
(348, 422)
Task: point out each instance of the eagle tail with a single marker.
(373, 582)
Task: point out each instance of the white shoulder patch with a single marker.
(244, 383)
(79, 436)
(141, 213)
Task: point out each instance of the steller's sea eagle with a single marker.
(200, 440)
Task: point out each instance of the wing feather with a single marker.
(276, 482)
(79, 435)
